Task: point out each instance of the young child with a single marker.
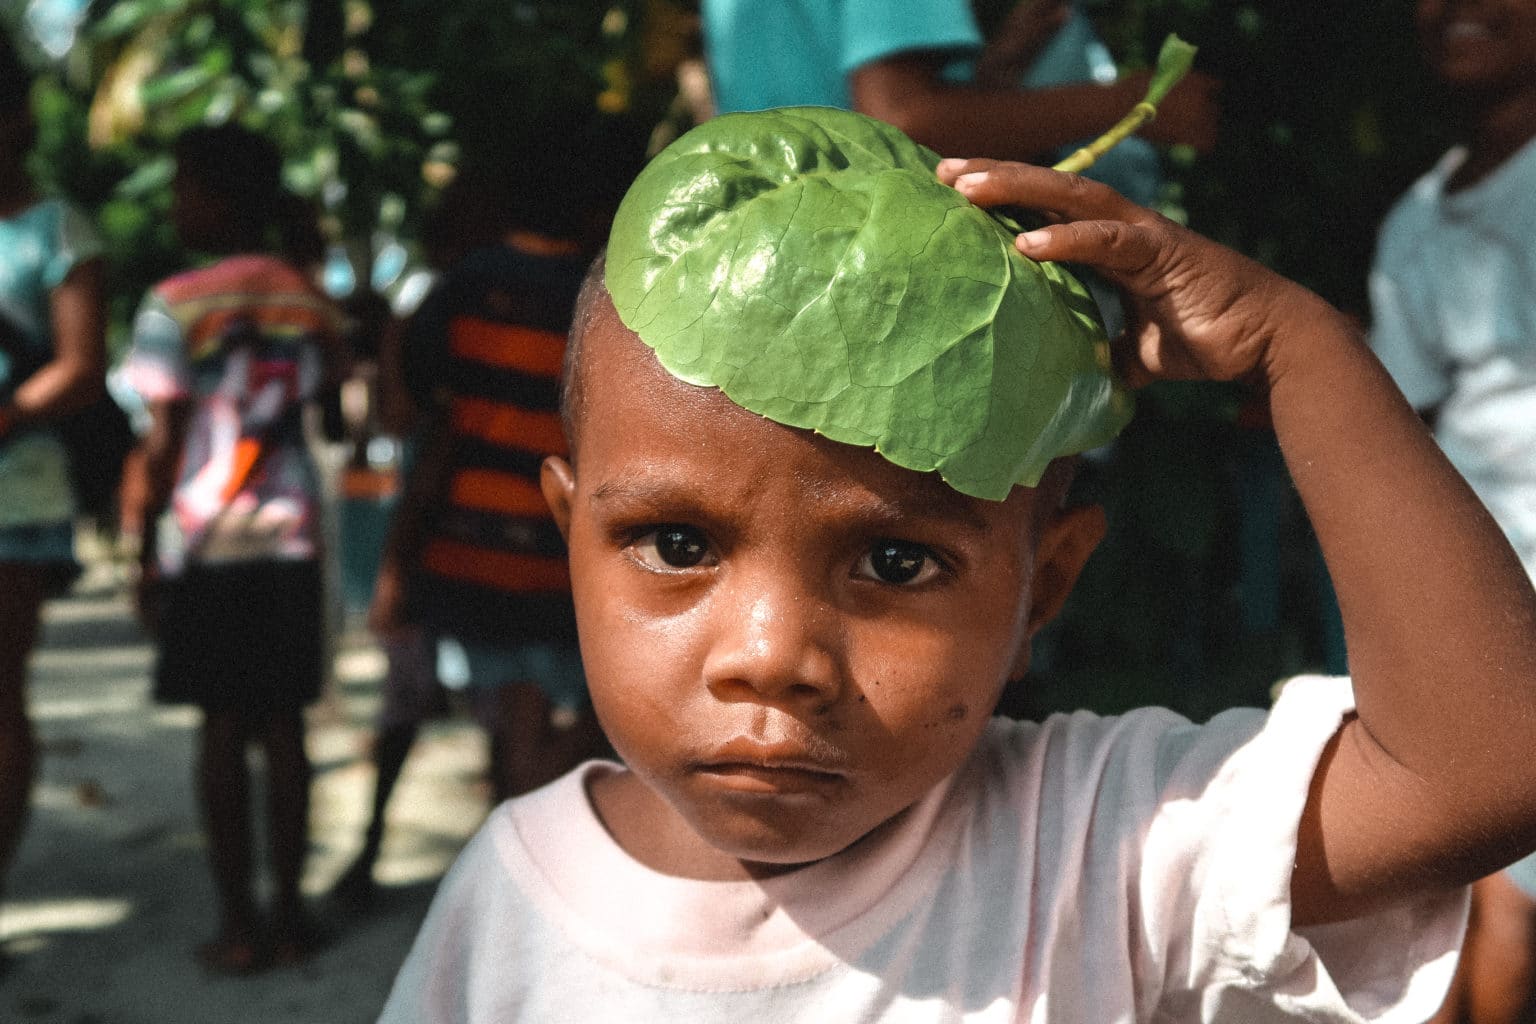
(474, 559)
(51, 356)
(1453, 293)
(227, 357)
(794, 642)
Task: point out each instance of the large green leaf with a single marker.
(807, 262)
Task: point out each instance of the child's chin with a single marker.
(773, 851)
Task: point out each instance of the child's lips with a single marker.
(745, 777)
(752, 766)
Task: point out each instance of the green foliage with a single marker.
(808, 263)
(373, 104)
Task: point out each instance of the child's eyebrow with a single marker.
(938, 502)
(928, 498)
(627, 490)
(942, 504)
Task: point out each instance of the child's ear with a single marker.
(558, 482)
(1066, 541)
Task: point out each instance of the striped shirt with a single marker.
(485, 351)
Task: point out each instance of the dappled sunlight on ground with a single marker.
(110, 893)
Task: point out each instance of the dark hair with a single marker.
(242, 169)
(559, 174)
(15, 79)
(589, 301)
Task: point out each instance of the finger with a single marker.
(1120, 251)
(1071, 196)
(951, 168)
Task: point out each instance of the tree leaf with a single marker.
(1173, 63)
(806, 262)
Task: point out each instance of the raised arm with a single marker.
(1013, 124)
(1432, 784)
(74, 376)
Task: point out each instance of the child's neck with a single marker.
(1500, 126)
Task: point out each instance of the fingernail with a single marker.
(1033, 239)
(966, 181)
(949, 162)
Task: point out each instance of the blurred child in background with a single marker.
(51, 362)
(226, 358)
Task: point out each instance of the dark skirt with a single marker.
(247, 637)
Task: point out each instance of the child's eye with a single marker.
(672, 547)
(900, 563)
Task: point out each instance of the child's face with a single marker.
(196, 212)
(1480, 44)
(789, 640)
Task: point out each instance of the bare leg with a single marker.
(224, 788)
(21, 597)
(288, 778)
(390, 749)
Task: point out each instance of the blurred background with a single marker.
(1207, 591)
(1328, 115)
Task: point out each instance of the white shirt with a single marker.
(1453, 296)
(1081, 870)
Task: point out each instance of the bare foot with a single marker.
(233, 953)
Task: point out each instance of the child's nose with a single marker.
(776, 645)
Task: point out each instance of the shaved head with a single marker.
(593, 304)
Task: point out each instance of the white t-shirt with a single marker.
(1081, 870)
(1453, 297)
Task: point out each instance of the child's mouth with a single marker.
(752, 766)
(769, 778)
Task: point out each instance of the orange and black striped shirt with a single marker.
(485, 350)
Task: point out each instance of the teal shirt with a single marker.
(38, 248)
(1077, 54)
(778, 53)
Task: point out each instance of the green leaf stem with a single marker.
(1173, 63)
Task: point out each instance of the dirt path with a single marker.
(110, 893)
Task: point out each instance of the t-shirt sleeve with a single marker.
(875, 29)
(1423, 378)
(1397, 328)
(457, 967)
(156, 365)
(75, 242)
(1215, 876)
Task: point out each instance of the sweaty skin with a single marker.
(788, 640)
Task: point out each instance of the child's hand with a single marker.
(386, 613)
(1196, 310)
(1418, 791)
